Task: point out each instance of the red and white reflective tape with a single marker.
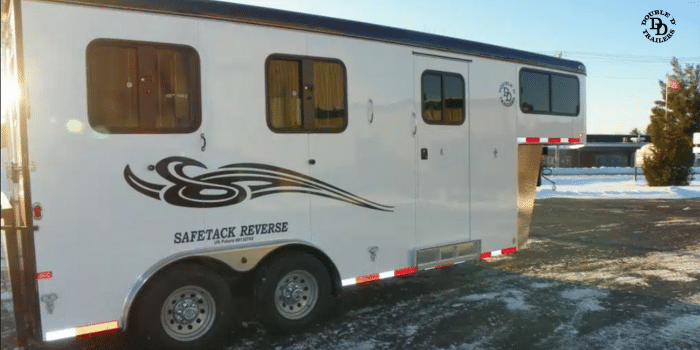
(548, 140)
(411, 270)
(379, 276)
(83, 331)
(498, 252)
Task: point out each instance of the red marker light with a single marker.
(38, 211)
(44, 275)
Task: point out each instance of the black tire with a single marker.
(163, 319)
(291, 308)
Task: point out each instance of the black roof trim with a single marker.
(313, 23)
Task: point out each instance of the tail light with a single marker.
(38, 211)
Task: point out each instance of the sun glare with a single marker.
(10, 92)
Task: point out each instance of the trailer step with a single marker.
(447, 254)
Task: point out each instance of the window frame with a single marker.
(442, 93)
(306, 119)
(194, 87)
(549, 74)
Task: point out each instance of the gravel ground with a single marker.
(597, 274)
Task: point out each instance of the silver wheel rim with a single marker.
(296, 294)
(188, 313)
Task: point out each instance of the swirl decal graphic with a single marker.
(232, 184)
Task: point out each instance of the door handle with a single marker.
(204, 142)
(415, 123)
(312, 161)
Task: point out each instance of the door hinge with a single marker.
(14, 170)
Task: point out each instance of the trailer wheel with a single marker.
(292, 291)
(186, 307)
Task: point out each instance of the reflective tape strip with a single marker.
(65, 333)
(509, 250)
(96, 328)
(82, 331)
(499, 252)
(548, 140)
(388, 274)
(405, 271)
(378, 276)
(366, 278)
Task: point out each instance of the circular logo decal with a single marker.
(657, 26)
(507, 94)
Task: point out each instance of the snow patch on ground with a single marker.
(364, 310)
(675, 333)
(513, 298)
(410, 330)
(516, 301)
(603, 171)
(682, 327)
(480, 297)
(637, 270)
(677, 221)
(352, 345)
(539, 285)
(613, 186)
(588, 299)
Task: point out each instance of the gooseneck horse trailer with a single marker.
(164, 156)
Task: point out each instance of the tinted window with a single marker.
(136, 87)
(549, 93)
(565, 95)
(454, 98)
(432, 97)
(329, 101)
(284, 98)
(306, 95)
(442, 96)
(534, 96)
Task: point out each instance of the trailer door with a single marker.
(441, 101)
(254, 130)
(362, 148)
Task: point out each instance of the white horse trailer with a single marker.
(162, 151)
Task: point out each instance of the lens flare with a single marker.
(74, 126)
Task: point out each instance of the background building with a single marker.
(599, 151)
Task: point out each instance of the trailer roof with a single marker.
(294, 20)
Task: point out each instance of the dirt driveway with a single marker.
(597, 274)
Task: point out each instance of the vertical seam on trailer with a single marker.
(416, 163)
(469, 145)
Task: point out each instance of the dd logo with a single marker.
(507, 94)
(656, 26)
